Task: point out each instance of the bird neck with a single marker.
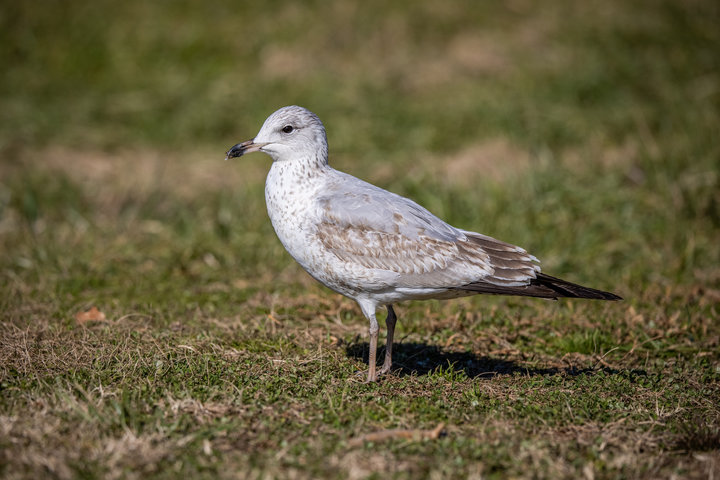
(290, 187)
(302, 167)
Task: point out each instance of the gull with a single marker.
(374, 246)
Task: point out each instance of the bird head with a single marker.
(289, 134)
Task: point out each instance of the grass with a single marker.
(585, 133)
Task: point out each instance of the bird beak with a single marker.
(242, 148)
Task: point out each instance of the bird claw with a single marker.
(363, 377)
(385, 370)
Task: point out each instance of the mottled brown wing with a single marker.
(379, 230)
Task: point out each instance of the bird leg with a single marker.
(390, 323)
(372, 375)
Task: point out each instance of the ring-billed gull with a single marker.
(374, 246)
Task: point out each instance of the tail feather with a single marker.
(543, 286)
(572, 290)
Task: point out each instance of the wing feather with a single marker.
(376, 229)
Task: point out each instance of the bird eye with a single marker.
(287, 129)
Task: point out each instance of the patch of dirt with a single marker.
(285, 62)
(148, 169)
(478, 53)
(494, 159)
(603, 152)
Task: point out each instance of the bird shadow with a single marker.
(422, 359)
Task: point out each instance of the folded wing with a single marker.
(377, 229)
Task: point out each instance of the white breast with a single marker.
(291, 193)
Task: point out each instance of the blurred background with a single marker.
(586, 132)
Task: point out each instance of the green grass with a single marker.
(586, 133)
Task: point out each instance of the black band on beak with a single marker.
(239, 150)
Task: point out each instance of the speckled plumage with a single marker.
(374, 246)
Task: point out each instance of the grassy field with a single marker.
(589, 133)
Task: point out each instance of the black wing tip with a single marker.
(572, 290)
(544, 286)
(612, 297)
(600, 295)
